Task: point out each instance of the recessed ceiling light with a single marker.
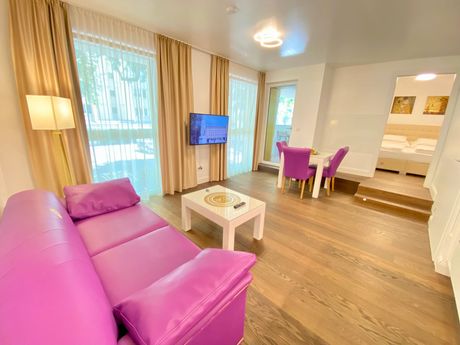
(276, 42)
(269, 37)
(426, 76)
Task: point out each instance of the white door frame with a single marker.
(265, 117)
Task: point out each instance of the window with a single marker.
(279, 119)
(242, 111)
(115, 84)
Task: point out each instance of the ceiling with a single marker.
(343, 32)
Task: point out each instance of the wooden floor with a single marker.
(332, 272)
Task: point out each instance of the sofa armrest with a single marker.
(166, 311)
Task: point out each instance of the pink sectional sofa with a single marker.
(122, 277)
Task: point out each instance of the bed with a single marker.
(408, 154)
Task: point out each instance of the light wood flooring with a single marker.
(330, 271)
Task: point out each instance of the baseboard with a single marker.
(268, 168)
(354, 171)
(442, 268)
(433, 192)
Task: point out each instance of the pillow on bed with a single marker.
(425, 141)
(427, 149)
(397, 138)
(394, 144)
(88, 200)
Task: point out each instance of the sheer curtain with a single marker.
(219, 105)
(242, 111)
(118, 81)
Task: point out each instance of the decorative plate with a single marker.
(222, 199)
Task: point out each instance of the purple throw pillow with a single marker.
(88, 200)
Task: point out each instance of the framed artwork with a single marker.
(403, 105)
(436, 105)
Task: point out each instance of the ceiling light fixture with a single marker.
(426, 76)
(269, 38)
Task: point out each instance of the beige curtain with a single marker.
(175, 102)
(219, 105)
(259, 120)
(44, 63)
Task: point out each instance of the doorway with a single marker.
(414, 125)
(279, 119)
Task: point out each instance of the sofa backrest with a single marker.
(49, 289)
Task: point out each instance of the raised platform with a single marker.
(402, 195)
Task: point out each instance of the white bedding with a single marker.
(397, 147)
(427, 149)
(394, 145)
(408, 153)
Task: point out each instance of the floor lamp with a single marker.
(54, 114)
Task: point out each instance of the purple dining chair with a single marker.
(296, 167)
(329, 171)
(281, 145)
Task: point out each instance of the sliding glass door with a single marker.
(242, 112)
(118, 89)
(279, 119)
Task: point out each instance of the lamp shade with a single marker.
(50, 112)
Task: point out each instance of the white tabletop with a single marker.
(226, 212)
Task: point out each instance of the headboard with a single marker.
(413, 132)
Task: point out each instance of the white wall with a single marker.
(444, 224)
(421, 89)
(309, 81)
(14, 166)
(359, 102)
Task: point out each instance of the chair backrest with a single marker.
(281, 145)
(337, 159)
(296, 161)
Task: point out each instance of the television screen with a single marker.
(208, 129)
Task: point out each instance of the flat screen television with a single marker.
(208, 129)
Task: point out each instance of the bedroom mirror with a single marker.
(414, 123)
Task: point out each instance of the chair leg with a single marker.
(328, 179)
(333, 184)
(301, 191)
(310, 184)
(283, 185)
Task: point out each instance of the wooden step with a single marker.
(392, 207)
(401, 198)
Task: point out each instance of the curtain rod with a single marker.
(69, 2)
(212, 53)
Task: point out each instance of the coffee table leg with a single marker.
(228, 237)
(186, 218)
(259, 226)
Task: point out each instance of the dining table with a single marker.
(320, 159)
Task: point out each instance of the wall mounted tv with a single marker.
(208, 129)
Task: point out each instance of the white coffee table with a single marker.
(226, 216)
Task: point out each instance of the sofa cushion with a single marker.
(88, 200)
(111, 229)
(165, 312)
(50, 291)
(133, 265)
